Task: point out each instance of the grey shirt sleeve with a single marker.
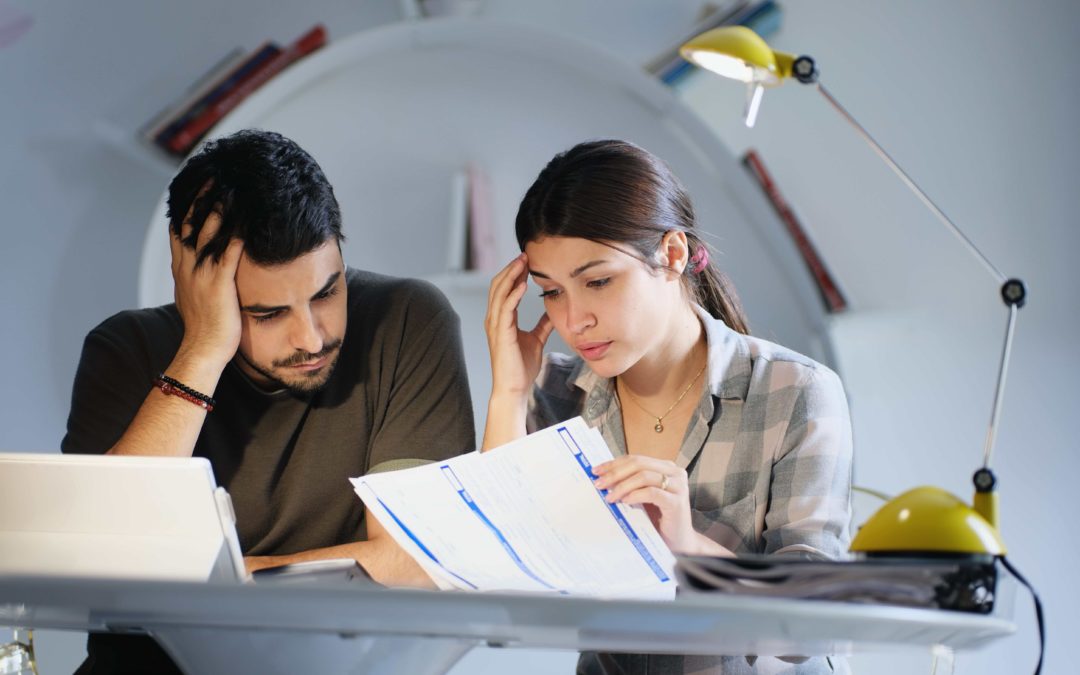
(428, 414)
(114, 376)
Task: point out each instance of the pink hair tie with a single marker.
(700, 260)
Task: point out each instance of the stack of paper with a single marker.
(965, 584)
(523, 517)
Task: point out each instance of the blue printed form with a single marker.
(523, 517)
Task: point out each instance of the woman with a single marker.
(732, 444)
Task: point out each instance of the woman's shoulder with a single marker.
(782, 377)
(764, 352)
(747, 365)
(556, 394)
(558, 374)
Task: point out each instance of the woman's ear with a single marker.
(674, 251)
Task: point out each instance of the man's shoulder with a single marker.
(370, 291)
(157, 325)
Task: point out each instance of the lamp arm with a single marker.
(1013, 291)
(991, 434)
(911, 184)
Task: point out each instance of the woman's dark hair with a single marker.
(269, 191)
(613, 192)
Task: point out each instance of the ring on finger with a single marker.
(664, 482)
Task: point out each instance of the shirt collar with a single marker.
(729, 358)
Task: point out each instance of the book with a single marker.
(483, 247)
(330, 571)
(215, 91)
(457, 228)
(186, 138)
(963, 583)
(196, 91)
(831, 294)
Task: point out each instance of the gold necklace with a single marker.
(659, 428)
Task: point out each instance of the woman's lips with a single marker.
(592, 351)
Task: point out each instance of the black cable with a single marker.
(1038, 610)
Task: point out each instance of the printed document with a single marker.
(523, 517)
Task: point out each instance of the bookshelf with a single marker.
(120, 140)
(394, 114)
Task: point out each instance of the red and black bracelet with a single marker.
(171, 387)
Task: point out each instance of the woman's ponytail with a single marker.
(711, 288)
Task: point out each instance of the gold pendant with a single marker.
(659, 427)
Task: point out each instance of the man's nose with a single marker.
(305, 335)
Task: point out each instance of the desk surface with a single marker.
(713, 623)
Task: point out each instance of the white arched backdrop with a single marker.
(394, 113)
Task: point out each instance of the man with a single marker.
(287, 371)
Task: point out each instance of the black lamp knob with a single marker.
(984, 480)
(1013, 292)
(805, 70)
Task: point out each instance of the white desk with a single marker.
(211, 628)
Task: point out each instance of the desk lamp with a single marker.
(925, 519)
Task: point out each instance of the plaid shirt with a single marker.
(767, 454)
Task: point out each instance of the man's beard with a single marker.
(305, 383)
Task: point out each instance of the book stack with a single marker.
(964, 584)
(179, 127)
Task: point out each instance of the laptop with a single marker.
(160, 518)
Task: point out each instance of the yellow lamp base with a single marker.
(928, 520)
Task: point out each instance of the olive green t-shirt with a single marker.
(399, 393)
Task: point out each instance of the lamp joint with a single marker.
(984, 480)
(805, 70)
(1014, 292)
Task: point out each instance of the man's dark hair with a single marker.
(269, 192)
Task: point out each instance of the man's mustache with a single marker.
(303, 357)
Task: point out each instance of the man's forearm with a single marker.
(168, 425)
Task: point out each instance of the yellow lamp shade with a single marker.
(738, 53)
(927, 520)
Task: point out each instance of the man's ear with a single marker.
(674, 251)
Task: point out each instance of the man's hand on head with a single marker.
(205, 293)
(168, 424)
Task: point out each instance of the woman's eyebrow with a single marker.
(591, 263)
(577, 272)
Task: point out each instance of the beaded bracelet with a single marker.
(171, 387)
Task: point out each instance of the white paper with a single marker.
(523, 517)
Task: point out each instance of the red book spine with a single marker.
(830, 292)
(187, 137)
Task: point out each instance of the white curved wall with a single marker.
(392, 114)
